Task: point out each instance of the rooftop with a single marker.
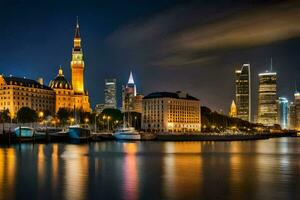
(12, 80)
(177, 95)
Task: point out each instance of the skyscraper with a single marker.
(297, 110)
(110, 93)
(243, 92)
(283, 111)
(292, 116)
(267, 99)
(131, 101)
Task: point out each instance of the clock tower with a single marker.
(77, 64)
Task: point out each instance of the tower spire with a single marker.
(77, 33)
(271, 64)
(130, 80)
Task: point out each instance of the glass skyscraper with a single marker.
(267, 99)
(283, 112)
(243, 92)
(110, 93)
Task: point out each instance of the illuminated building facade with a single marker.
(243, 92)
(283, 111)
(16, 93)
(267, 99)
(131, 101)
(292, 116)
(297, 110)
(110, 93)
(233, 110)
(73, 95)
(171, 112)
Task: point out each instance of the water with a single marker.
(265, 169)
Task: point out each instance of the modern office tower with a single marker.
(283, 112)
(110, 93)
(292, 116)
(243, 92)
(131, 102)
(267, 99)
(171, 112)
(16, 93)
(297, 110)
(72, 95)
(233, 110)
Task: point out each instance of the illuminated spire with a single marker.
(233, 109)
(77, 33)
(130, 81)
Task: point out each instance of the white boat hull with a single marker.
(127, 136)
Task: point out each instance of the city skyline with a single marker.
(98, 47)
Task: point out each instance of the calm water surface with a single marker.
(265, 169)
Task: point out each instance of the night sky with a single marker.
(193, 46)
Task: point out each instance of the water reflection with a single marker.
(76, 172)
(7, 173)
(182, 170)
(54, 166)
(130, 172)
(265, 169)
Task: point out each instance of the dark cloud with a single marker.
(191, 34)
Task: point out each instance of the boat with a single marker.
(48, 130)
(79, 132)
(24, 132)
(127, 133)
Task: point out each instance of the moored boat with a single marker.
(127, 133)
(24, 132)
(79, 132)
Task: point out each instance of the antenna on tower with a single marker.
(271, 64)
(296, 89)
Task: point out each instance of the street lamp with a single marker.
(72, 120)
(41, 114)
(86, 120)
(96, 115)
(108, 118)
(135, 118)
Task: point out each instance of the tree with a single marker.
(5, 116)
(110, 116)
(27, 115)
(63, 114)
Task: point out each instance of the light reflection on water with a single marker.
(265, 169)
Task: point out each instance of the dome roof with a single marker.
(60, 82)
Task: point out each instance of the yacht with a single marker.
(79, 132)
(127, 133)
(24, 132)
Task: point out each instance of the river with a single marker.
(262, 169)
